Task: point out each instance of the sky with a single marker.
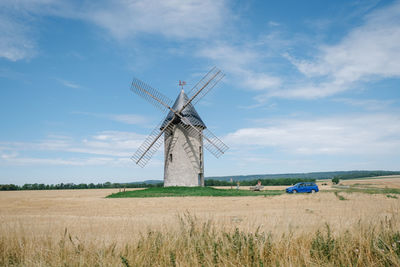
(309, 86)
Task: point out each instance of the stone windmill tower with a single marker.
(185, 134)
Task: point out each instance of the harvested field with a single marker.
(88, 212)
(392, 181)
(43, 219)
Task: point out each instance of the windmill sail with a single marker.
(212, 143)
(150, 145)
(205, 85)
(152, 95)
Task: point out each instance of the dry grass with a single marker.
(116, 231)
(392, 181)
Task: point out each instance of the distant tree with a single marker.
(26, 187)
(9, 187)
(82, 186)
(335, 180)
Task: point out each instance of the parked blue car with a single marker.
(303, 188)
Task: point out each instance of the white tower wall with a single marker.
(183, 158)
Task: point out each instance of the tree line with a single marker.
(266, 182)
(36, 186)
(208, 182)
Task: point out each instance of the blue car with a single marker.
(303, 188)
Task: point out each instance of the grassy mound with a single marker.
(180, 191)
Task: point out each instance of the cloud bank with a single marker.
(372, 134)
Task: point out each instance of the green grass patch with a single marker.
(392, 196)
(178, 191)
(361, 185)
(367, 190)
(374, 190)
(339, 196)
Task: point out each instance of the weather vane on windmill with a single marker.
(185, 133)
(182, 83)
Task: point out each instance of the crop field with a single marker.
(84, 228)
(383, 181)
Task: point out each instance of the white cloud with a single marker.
(368, 104)
(260, 81)
(123, 118)
(109, 143)
(18, 26)
(8, 155)
(239, 61)
(114, 146)
(171, 18)
(130, 118)
(122, 144)
(194, 19)
(232, 58)
(273, 23)
(308, 91)
(373, 134)
(16, 42)
(111, 148)
(366, 53)
(24, 161)
(69, 84)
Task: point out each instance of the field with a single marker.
(83, 228)
(382, 182)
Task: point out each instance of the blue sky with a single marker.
(309, 85)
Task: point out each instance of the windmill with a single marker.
(185, 134)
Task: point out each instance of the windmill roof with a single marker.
(189, 112)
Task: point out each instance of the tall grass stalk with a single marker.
(201, 243)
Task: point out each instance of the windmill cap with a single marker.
(189, 112)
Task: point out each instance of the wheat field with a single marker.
(83, 228)
(392, 181)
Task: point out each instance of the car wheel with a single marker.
(294, 191)
(312, 191)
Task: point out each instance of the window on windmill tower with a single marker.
(170, 157)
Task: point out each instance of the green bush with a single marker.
(335, 180)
